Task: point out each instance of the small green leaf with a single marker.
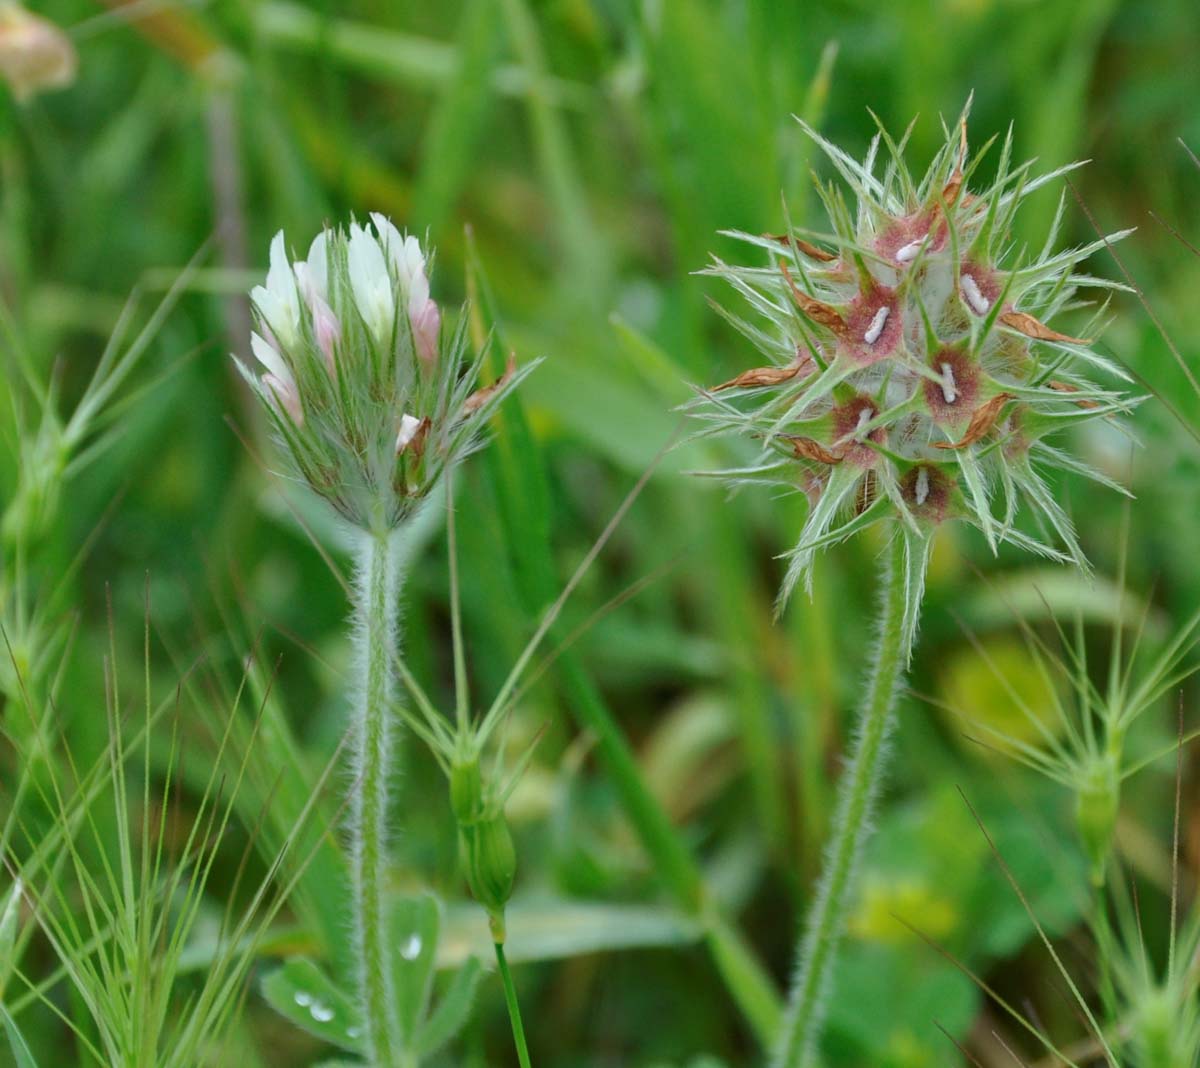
(452, 1011)
(415, 925)
(22, 1057)
(303, 994)
(554, 929)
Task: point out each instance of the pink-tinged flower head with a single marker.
(347, 342)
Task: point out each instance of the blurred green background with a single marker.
(592, 150)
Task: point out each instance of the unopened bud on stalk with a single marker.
(35, 55)
(485, 842)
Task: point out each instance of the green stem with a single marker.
(375, 633)
(857, 792)
(514, 1009)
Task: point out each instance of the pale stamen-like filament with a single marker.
(908, 253)
(864, 417)
(921, 490)
(877, 324)
(949, 386)
(974, 296)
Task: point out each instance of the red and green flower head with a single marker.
(913, 376)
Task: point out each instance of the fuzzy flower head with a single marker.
(370, 401)
(913, 376)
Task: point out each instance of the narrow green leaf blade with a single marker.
(452, 1011)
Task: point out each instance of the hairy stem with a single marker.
(857, 793)
(375, 631)
(514, 1008)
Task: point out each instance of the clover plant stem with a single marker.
(857, 793)
(514, 1008)
(375, 632)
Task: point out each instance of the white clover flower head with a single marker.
(912, 378)
(367, 402)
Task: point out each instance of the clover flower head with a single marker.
(369, 399)
(912, 375)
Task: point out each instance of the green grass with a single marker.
(573, 162)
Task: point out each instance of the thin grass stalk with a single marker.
(375, 632)
(857, 794)
(514, 1007)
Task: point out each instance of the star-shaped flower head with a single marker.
(913, 377)
(369, 397)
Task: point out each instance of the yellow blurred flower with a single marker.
(885, 903)
(35, 54)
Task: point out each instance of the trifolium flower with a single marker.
(370, 401)
(912, 376)
(35, 55)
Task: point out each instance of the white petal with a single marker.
(282, 308)
(409, 425)
(316, 267)
(270, 359)
(389, 236)
(371, 282)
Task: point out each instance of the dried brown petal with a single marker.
(417, 445)
(813, 252)
(954, 186)
(817, 311)
(1026, 324)
(481, 396)
(760, 376)
(807, 449)
(1066, 387)
(981, 422)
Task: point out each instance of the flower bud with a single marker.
(489, 861)
(485, 842)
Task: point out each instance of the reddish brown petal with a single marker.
(807, 449)
(1026, 324)
(981, 422)
(813, 252)
(954, 186)
(817, 311)
(417, 444)
(481, 396)
(760, 376)
(1066, 387)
